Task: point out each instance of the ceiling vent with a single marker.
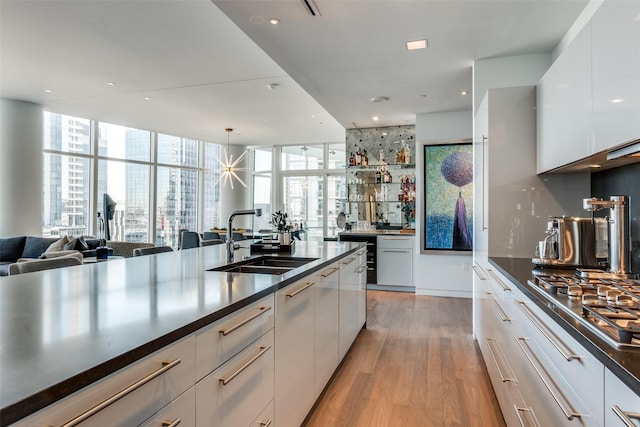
(310, 7)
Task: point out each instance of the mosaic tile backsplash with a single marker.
(385, 139)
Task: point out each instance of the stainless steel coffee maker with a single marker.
(568, 242)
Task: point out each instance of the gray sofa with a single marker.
(14, 248)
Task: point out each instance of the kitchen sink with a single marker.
(265, 265)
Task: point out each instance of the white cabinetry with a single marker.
(589, 99)
(539, 372)
(621, 405)
(564, 106)
(351, 292)
(616, 80)
(237, 392)
(181, 411)
(295, 349)
(395, 260)
(129, 396)
(512, 203)
(326, 292)
(235, 363)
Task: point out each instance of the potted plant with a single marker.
(279, 220)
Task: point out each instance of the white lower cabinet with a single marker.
(265, 419)
(395, 260)
(326, 292)
(219, 341)
(538, 371)
(129, 396)
(350, 305)
(181, 411)
(621, 404)
(236, 392)
(295, 349)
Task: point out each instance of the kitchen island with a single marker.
(64, 330)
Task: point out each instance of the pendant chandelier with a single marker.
(229, 166)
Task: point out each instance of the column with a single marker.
(20, 168)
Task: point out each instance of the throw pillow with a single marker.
(76, 244)
(58, 244)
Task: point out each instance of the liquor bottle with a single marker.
(365, 158)
(358, 157)
(378, 177)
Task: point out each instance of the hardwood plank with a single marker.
(416, 364)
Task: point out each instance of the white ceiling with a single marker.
(205, 70)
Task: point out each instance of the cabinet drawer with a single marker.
(237, 392)
(129, 396)
(621, 404)
(395, 242)
(221, 340)
(578, 367)
(181, 411)
(546, 390)
(265, 419)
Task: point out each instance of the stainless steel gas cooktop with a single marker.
(610, 307)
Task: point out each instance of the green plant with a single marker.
(279, 220)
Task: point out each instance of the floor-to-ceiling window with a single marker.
(313, 187)
(67, 175)
(262, 186)
(160, 183)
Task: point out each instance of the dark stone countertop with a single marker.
(624, 363)
(63, 329)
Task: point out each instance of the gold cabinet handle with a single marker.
(498, 281)
(546, 380)
(476, 269)
(260, 312)
(569, 355)
(498, 309)
(226, 380)
(533, 421)
(173, 423)
(333, 270)
(503, 378)
(265, 423)
(625, 416)
(300, 289)
(348, 261)
(166, 365)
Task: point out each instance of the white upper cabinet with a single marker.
(616, 73)
(564, 106)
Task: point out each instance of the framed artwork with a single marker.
(448, 197)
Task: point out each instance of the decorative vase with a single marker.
(284, 237)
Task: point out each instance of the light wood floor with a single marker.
(416, 364)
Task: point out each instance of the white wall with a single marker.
(20, 168)
(439, 275)
(522, 70)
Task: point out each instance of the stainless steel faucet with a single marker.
(230, 244)
(619, 231)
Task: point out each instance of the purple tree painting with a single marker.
(457, 169)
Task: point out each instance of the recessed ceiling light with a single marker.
(48, 90)
(274, 21)
(417, 44)
(464, 92)
(617, 100)
(595, 166)
(379, 99)
(257, 20)
(375, 118)
(146, 98)
(423, 96)
(111, 83)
